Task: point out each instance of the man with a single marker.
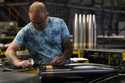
(46, 38)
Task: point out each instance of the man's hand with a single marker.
(58, 60)
(23, 63)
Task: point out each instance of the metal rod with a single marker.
(81, 32)
(94, 26)
(84, 31)
(76, 31)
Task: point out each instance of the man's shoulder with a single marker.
(26, 28)
(55, 19)
(29, 25)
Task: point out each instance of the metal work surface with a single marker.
(80, 70)
(81, 73)
(18, 77)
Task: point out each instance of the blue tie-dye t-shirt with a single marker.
(44, 45)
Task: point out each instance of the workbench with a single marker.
(18, 77)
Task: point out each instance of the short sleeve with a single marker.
(19, 39)
(64, 30)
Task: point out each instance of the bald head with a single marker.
(38, 14)
(37, 6)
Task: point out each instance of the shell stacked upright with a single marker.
(84, 31)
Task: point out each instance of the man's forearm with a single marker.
(11, 55)
(68, 48)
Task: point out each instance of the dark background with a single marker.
(110, 14)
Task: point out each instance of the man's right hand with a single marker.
(23, 63)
